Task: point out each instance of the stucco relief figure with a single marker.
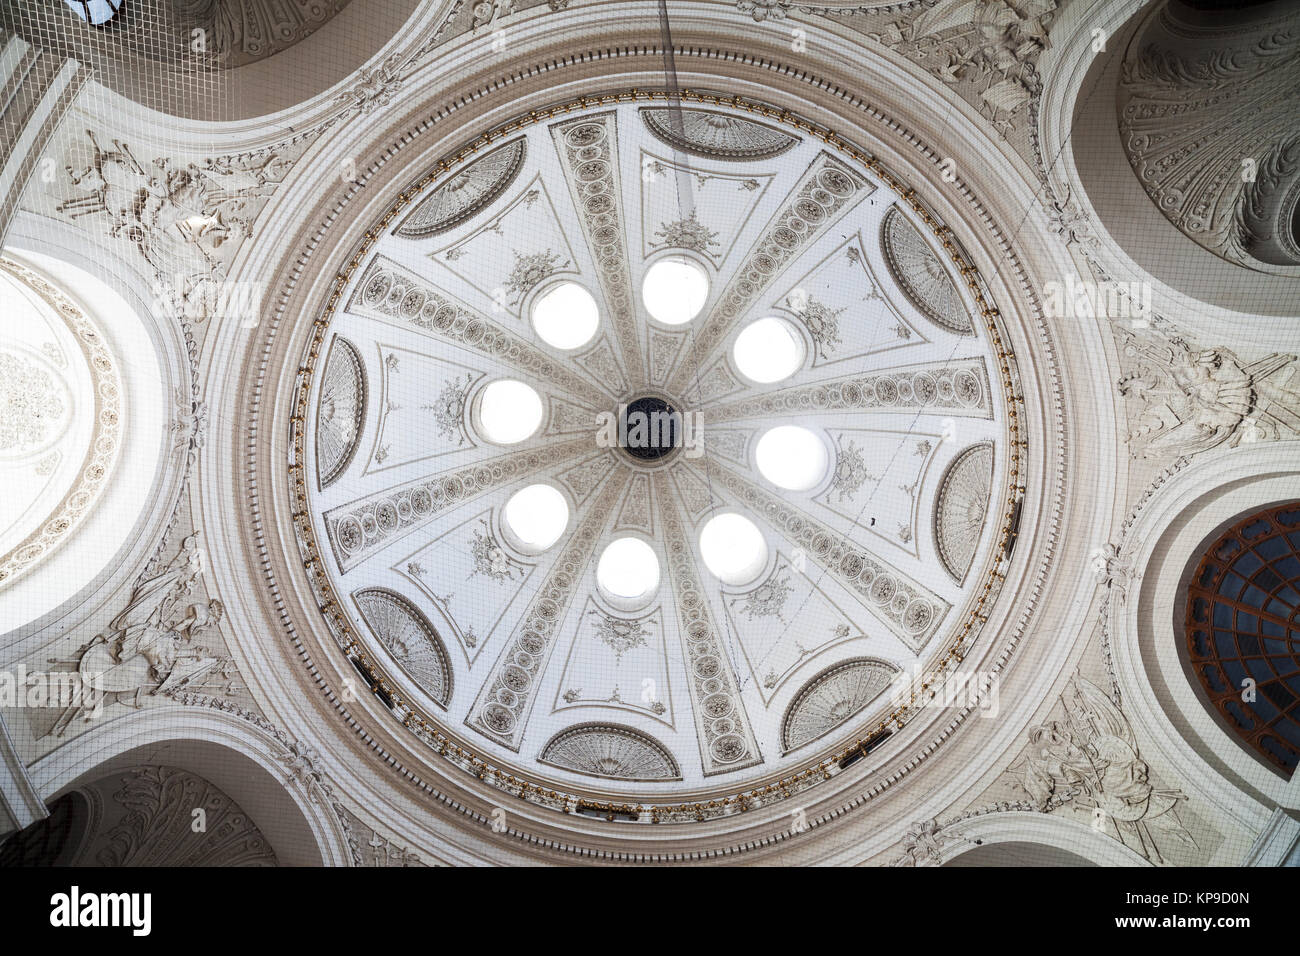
(152, 646)
(163, 210)
(1090, 759)
(1113, 571)
(185, 218)
(1000, 38)
(922, 844)
(1196, 400)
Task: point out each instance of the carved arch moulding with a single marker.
(1186, 509)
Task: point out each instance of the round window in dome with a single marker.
(733, 548)
(792, 457)
(535, 517)
(628, 570)
(565, 316)
(769, 350)
(675, 290)
(508, 411)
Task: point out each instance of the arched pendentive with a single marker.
(263, 774)
(143, 816)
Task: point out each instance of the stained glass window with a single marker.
(1243, 631)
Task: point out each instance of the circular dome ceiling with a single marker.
(521, 658)
(60, 417)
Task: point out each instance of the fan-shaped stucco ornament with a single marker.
(225, 34)
(342, 411)
(716, 135)
(154, 825)
(608, 750)
(410, 638)
(1207, 116)
(832, 697)
(961, 507)
(917, 269)
(467, 193)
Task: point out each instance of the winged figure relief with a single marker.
(1195, 400)
(1090, 759)
(153, 645)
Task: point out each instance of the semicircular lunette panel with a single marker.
(410, 638)
(961, 505)
(1243, 630)
(341, 411)
(610, 751)
(921, 275)
(832, 697)
(716, 135)
(467, 193)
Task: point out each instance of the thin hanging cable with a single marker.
(686, 210)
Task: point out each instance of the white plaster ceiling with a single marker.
(520, 657)
(60, 417)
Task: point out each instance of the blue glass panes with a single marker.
(1247, 563)
(97, 12)
(1236, 672)
(1285, 666)
(1259, 669)
(1222, 618)
(1231, 585)
(1290, 730)
(1272, 547)
(1254, 596)
(1247, 588)
(1288, 567)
